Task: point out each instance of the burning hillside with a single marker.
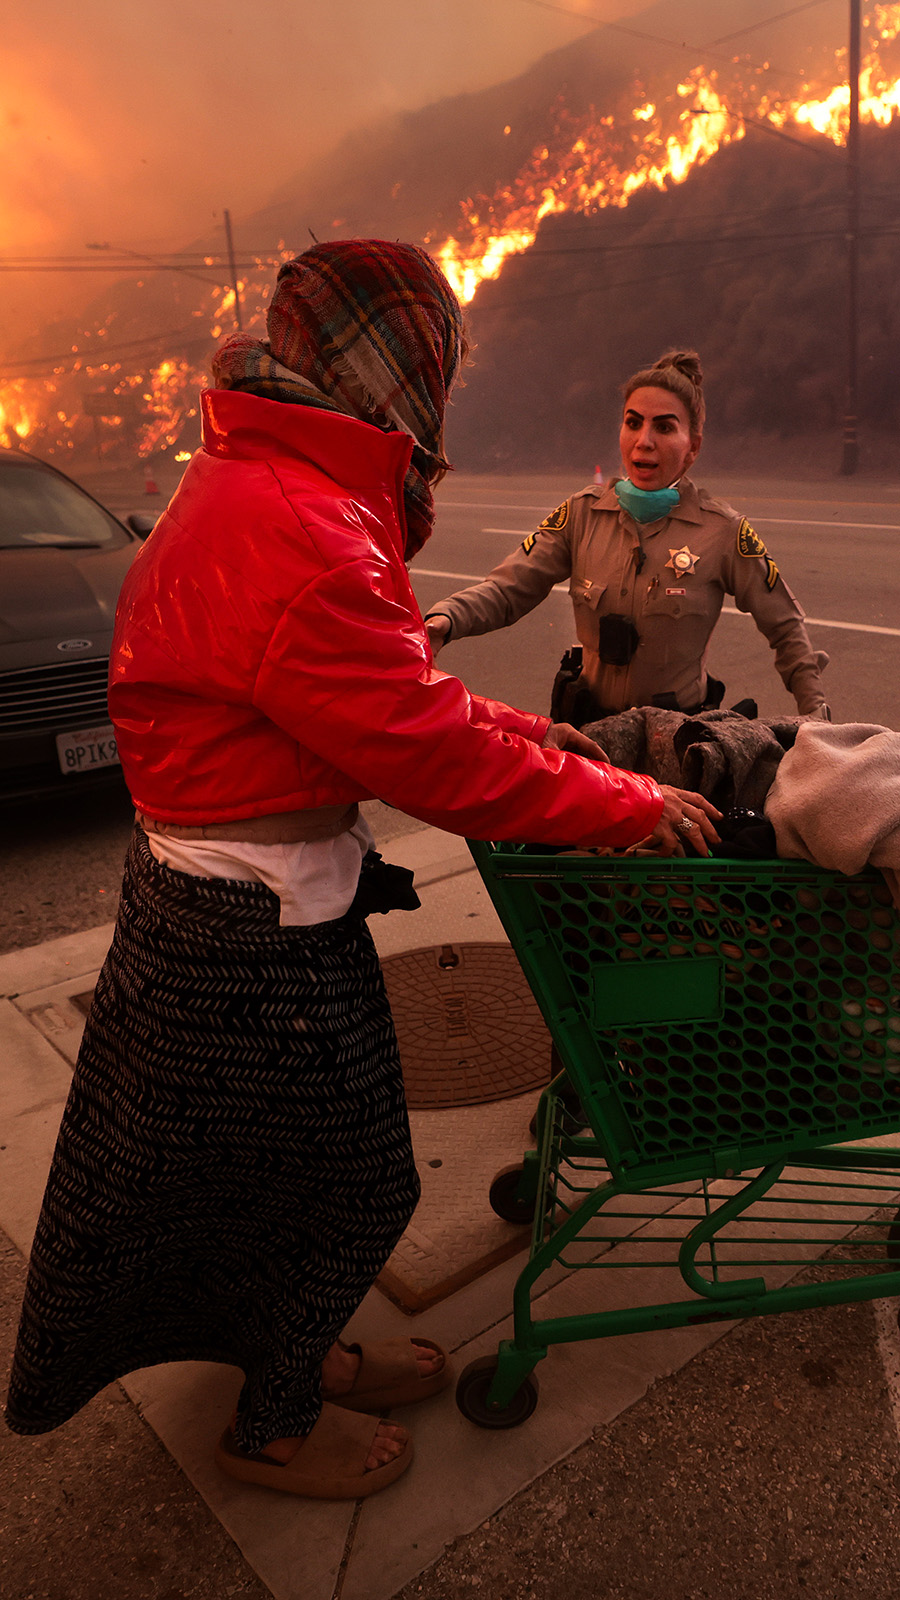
(101, 392)
(642, 144)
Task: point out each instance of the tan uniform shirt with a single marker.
(615, 565)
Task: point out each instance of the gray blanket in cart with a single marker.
(836, 799)
(729, 758)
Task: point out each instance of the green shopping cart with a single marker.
(728, 1032)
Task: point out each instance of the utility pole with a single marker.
(850, 456)
(237, 293)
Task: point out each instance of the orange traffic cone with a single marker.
(149, 483)
(598, 475)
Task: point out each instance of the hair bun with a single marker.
(680, 372)
(687, 362)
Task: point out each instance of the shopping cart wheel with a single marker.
(892, 1242)
(472, 1391)
(505, 1196)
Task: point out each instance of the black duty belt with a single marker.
(572, 700)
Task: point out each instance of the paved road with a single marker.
(839, 547)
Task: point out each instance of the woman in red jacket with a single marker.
(234, 1165)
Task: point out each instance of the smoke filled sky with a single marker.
(137, 124)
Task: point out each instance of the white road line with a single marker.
(727, 611)
(778, 500)
(469, 577)
(431, 572)
(491, 505)
(824, 622)
(803, 522)
(772, 522)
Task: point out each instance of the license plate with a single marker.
(87, 749)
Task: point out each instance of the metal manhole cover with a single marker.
(468, 1025)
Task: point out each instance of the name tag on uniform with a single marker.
(676, 591)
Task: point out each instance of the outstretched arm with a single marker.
(514, 588)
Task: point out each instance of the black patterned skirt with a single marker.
(234, 1164)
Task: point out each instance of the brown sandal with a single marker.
(329, 1464)
(389, 1376)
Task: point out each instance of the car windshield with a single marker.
(38, 508)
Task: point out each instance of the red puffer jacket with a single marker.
(270, 655)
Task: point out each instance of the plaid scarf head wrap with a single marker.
(370, 329)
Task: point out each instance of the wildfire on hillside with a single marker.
(605, 162)
(589, 163)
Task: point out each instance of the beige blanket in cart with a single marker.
(835, 799)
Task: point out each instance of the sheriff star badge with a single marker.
(682, 561)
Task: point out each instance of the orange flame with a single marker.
(604, 162)
(16, 419)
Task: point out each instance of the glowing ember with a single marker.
(16, 421)
(887, 22)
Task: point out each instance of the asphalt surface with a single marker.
(770, 1465)
(766, 1468)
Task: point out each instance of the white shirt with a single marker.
(314, 879)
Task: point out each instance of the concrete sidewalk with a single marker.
(462, 1476)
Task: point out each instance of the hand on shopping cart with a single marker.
(687, 823)
(563, 736)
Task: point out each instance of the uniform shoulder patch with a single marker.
(556, 520)
(748, 542)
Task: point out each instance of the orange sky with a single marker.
(137, 124)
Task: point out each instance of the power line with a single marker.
(97, 356)
(632, 283)
(785, 241)
(158, 342)
(152, 261)
(171, 258)
(765, 21)
(877, 192)
(51, 264)
(688, 242)
(761, 126)
(564, 222)
(673, 44)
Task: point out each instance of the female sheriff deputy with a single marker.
(650, 559)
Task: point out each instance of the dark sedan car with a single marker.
(62, 561)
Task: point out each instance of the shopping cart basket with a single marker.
(726, 1030)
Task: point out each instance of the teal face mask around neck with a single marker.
(645, 505)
